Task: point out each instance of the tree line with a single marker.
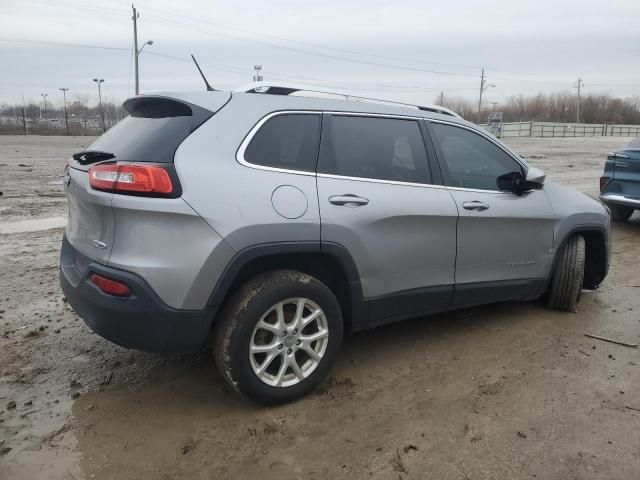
(553, 107)
(48, 118)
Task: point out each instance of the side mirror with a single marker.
(535, 177)
(517, 183)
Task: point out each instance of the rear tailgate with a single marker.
(91, 224)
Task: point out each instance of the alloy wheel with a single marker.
(288, 342)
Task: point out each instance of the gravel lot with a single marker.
(504, 391)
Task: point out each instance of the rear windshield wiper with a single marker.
(92, 156)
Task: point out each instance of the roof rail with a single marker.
(289, 88)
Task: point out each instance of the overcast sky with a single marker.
(406, 50)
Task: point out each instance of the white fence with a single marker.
(550, 129)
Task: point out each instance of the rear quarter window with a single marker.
(288, 141)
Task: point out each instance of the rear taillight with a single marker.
(132, 178)
(603, 182)
(112, 287)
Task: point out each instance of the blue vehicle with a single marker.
(620, 182)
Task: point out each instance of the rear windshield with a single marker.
(151, 132)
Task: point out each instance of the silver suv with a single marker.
(278, 222)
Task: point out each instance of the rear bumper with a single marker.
(619, 199)
(142, 321)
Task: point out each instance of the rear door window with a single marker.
(289, 141)
(374, 147)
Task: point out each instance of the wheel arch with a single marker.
(330, 263)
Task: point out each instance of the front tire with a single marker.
(278, 336)
(566, 284)
(620, 213)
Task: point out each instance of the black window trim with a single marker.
(436, 178)
(484, 135)
(247, 140)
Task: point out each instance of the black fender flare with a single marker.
(335, 250)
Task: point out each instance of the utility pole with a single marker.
(493, 104)
(99, 82)
(135, 46)
(484, 86)
(24, 118)
(481, 92)
(579, 84)
(66, 118)
(257, 76)
(442, 99)
(44, 101)
(137, 51)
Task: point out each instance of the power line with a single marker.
(173, 15)
(91, 8)
(282, 76)
(60, 44)
(615, 84)
(309, 44)
(318, 54)
(277, 75)
(174, 23)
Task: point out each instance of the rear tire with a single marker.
(620, 213)
(568, 276)
(262, 345)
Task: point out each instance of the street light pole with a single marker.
(99, 81)
(66, 119)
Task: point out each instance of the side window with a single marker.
(470, 160)
(287, 141)
(379, 148)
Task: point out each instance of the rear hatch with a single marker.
(150, 134)
(626, 170)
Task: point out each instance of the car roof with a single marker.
(351, 103)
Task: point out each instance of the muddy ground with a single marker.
(504, 391)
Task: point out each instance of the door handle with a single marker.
(475, 205)
(348, 200)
